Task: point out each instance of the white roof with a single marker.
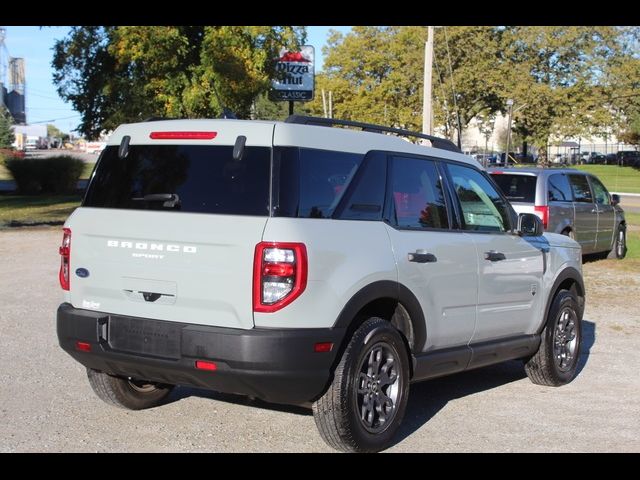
(267, 133)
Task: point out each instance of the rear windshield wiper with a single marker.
(170, 200)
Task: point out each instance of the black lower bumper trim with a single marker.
(276, 365)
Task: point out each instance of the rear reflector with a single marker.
(183, 135)
(202, 365)
(83, 346)
(323, 347)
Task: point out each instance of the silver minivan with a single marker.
(570, 202)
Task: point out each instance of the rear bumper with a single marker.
(275, 365)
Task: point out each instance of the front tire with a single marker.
(556, 361)
(127, 393)
(365, 403)
(619, 249)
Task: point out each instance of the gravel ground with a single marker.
(46, 403)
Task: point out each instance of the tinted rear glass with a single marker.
(312, 182)
(186, 178)
(517, 188)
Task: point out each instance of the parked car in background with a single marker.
(628, 158)
(570, 202)
(611, 159)
(591, 157)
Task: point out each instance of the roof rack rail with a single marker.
(437, 142)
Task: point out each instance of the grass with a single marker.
(616, 179)
(17, 210)
(88, 168)
(633, 235)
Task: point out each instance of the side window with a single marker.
(418, 196)
(600, 192)
(559, 189)
(580, 188)
(483, 209)
(324, 176)
(366, 199)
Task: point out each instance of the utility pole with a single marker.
(506, 154)
(426, 100)
(324, 104)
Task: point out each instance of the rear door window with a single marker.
(517, 188)
(580, 188)
(182, 178)
(418, 195)
(559, 188)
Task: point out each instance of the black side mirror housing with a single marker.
(529, 225)
(615, 199)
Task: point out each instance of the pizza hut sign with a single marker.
(295, 75)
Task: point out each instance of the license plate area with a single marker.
(152, 338)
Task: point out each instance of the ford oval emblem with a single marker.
(82, 272)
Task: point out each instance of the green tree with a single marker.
(376, 75)
(6, 133)
(113, 75)
(631, 134)
(566, 78)
(53, 131)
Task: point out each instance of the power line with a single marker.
(43, 96)
(56, 119)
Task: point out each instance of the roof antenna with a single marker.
(226, 112)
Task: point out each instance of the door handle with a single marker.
(421, 256)
(494, 256)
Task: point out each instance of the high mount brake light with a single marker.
(183, 135)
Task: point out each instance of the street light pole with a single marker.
(506, 154)
(426, 100)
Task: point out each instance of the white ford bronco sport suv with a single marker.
(302, 264)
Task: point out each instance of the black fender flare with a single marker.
(386, 289)
(568, 273)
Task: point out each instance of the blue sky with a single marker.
(35, 45)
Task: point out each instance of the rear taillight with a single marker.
(279, 275)
(543, 213)
(65, 256)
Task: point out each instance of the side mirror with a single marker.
(615, 199)
(529, 225)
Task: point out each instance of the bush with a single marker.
(45, 175)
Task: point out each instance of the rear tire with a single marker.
(364, 405)
(619, 249)
(556, 361)
(125, 393)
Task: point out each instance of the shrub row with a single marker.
(45, 175)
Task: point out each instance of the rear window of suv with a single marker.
(517, 188)
(185, 178)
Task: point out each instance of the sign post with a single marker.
(295, 77)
